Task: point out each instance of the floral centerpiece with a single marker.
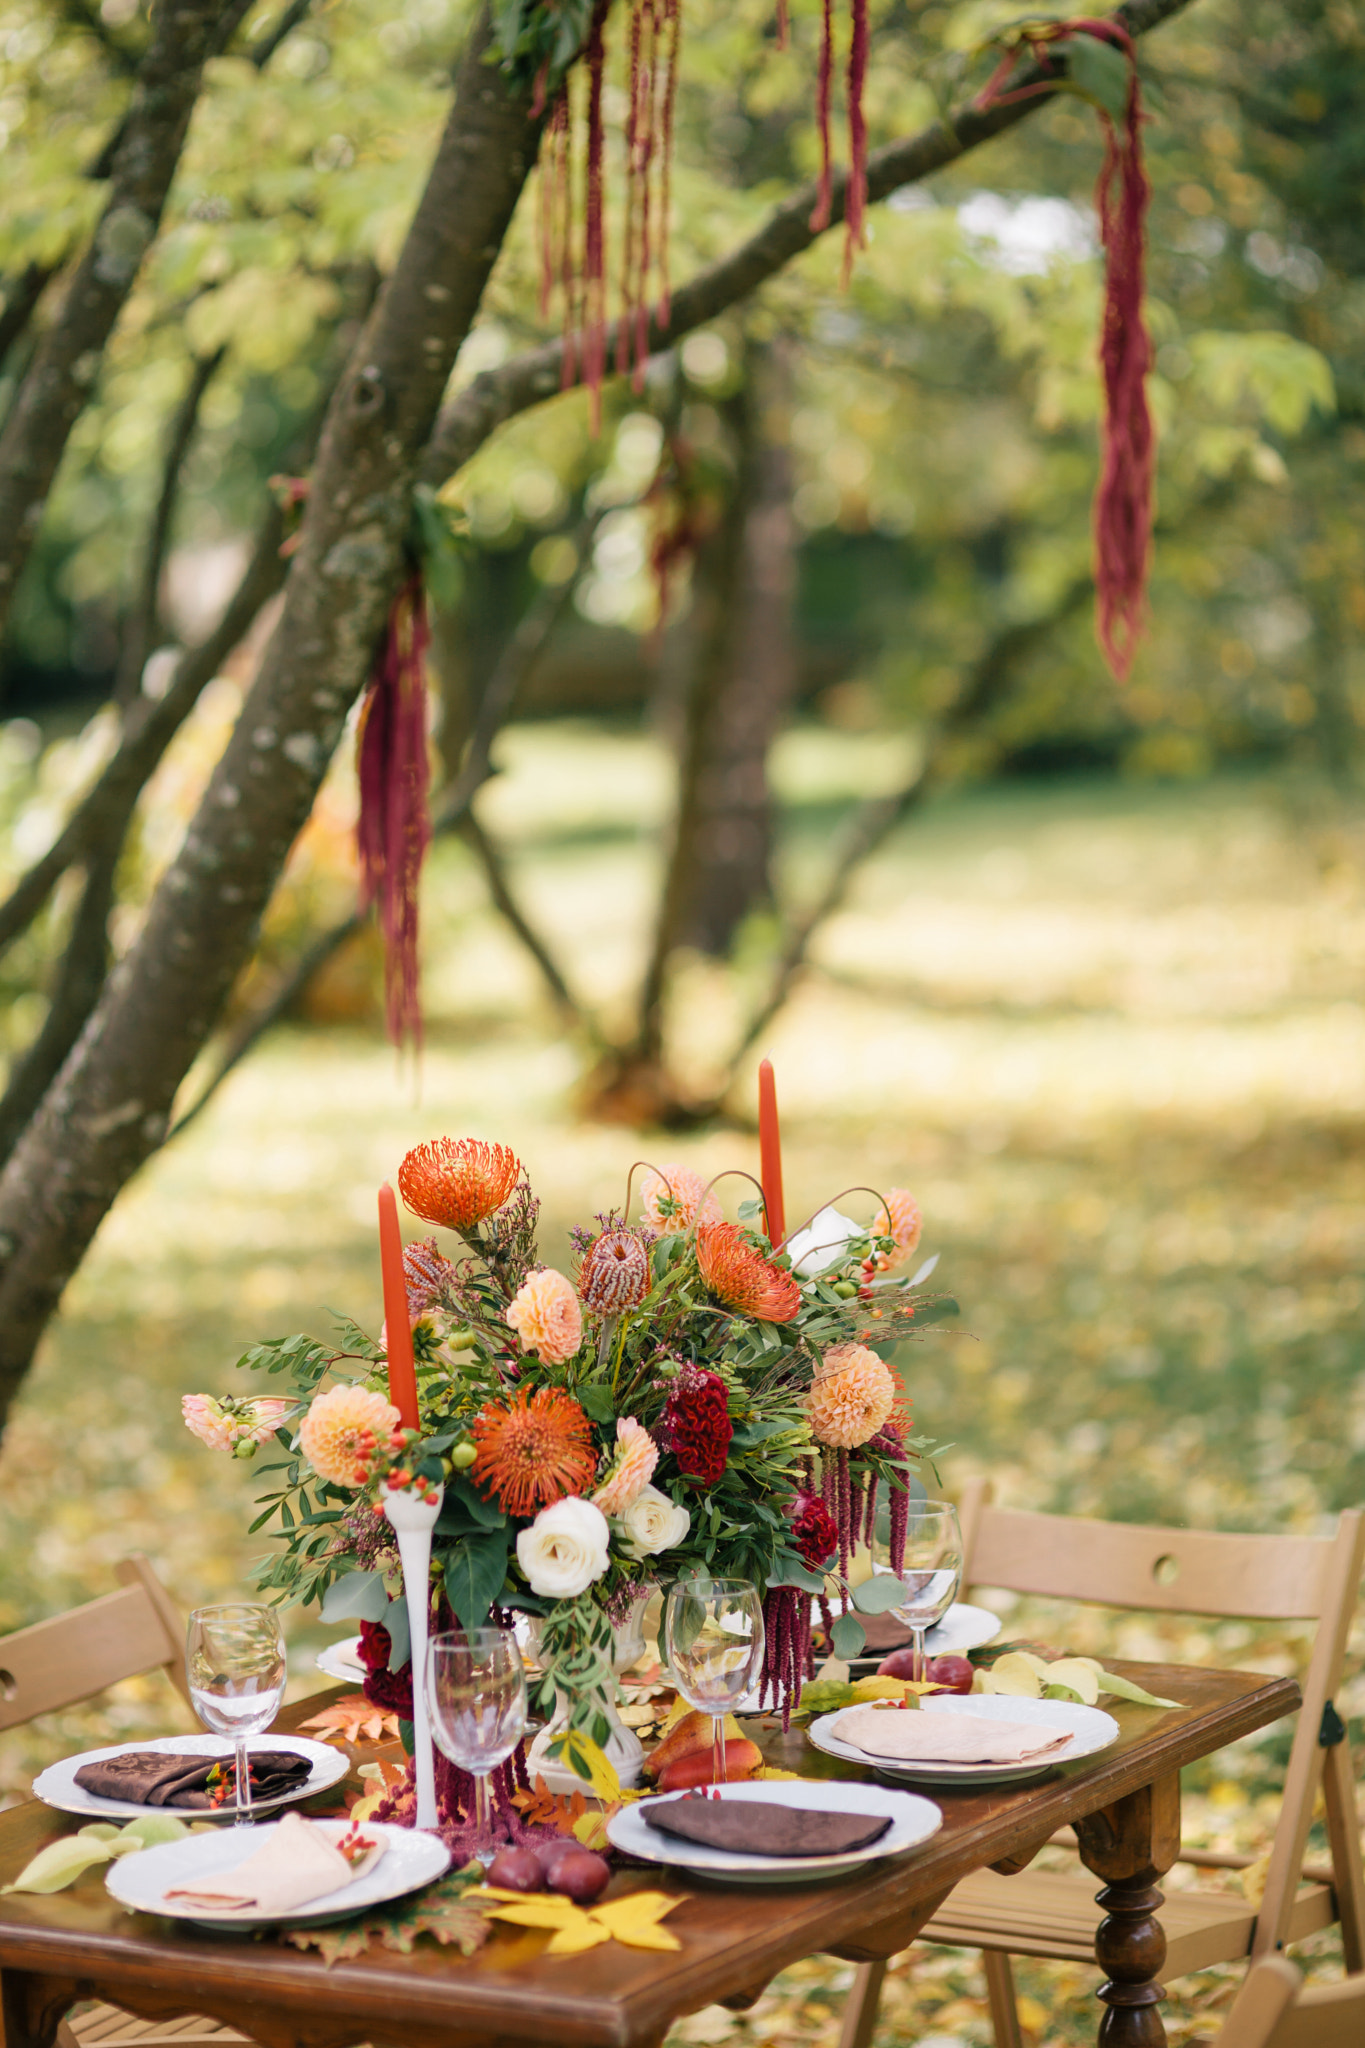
(694, 1400)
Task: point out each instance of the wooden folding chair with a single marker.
(1173, 1571)
(71, 1657)
(1274, 2011)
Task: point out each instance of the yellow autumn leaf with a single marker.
(637, 1909)
(771, 1771)
(591, 1830)
(649, 1937)
(878, 1689)
(572, 1940)
(546, 1912)
(1015, 1676)
(1253, 1881)
(582, 1756)
(1077, 1676)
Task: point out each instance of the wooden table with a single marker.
(1124, 1805)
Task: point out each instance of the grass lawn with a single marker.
(1113, 1039)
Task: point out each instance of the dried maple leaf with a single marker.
(354, 1719)
(442, 1911)
(546, 1809)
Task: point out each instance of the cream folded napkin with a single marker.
(920, 1738)
(296, 1864)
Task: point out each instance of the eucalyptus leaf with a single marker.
(847, 1636)
(356, 1596)
(395, 1620)
(880, 1593)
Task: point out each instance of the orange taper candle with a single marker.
(770, 1153)
(402, 1372)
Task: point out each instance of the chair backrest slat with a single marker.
(1187, 1571)
(55, 1663)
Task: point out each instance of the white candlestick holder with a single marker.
(412, 1517)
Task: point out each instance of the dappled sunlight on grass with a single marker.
(1113, 1039)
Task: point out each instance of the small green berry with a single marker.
(463, 1455)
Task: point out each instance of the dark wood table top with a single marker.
(733, 1939)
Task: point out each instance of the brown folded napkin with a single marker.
(151, 1777)
(922, 1738)
(298, 1861)
(750, 1827)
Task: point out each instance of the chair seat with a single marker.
(107, 2026)
(1047, 1913)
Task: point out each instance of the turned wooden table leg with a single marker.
(1130, 1845)
(32, 2008)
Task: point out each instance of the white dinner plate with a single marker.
(342, 1661)
(963, 1627)
(141, 1881)
(913, 1820)
(57, 1784)
(1091, 1731)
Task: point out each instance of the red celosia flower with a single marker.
(697, 1424)
(374, 1646)
(814, 1530)
(742, 1277)
(457, 1181)
(533, 1448)
(615, 1273)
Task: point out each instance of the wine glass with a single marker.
(713, 1629)
(931, 1570)
(234, 1660)
(476, 1698)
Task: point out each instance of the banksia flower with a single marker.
(546, 1316)
(631, 1468)
(742, 1278)
(903, 1222)
(533, 1449)
(853, 1396)
(428, 1273)
(341, 1431)
(457, 1181)
(614, 1274)
(686, 1195)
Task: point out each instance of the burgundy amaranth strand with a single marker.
(900, 1524)
(819, 219)
(394, 830)
(1124, 495)
(855, 204)
(843, 1514)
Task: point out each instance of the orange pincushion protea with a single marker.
(688, 1198)
(904, 1223)
(533, 1449)
(742, 1277)
(457, 1181)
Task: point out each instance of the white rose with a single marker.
(565, 1548)
(821, 1244)
(652, 1523)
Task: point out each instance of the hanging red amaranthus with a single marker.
(395, 826)
(855, 196)
(653, 30)
(1123, 499)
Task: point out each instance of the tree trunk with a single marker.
(58, 380)
(109, 1107)
(732, 857)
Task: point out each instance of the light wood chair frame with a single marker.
(68, 1658)
(1184, 1571)
(1274, 2011)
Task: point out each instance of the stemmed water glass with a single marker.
(931, 1571)
(234, 1660)
(476, 1699)
(713, 1630)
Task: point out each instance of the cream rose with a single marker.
(565, 1548)
(652, 1523)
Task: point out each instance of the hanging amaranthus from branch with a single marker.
(653, 30)
(1101, 67)
(855, 197)
(395, 826)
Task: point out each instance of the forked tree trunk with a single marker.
(109, 1108)
(731, 862)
